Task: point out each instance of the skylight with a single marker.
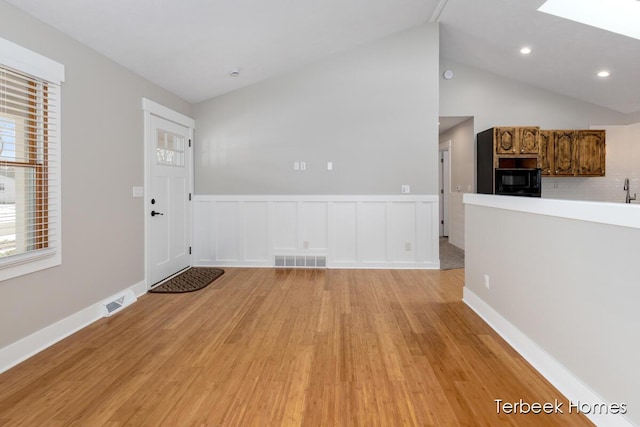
(617, 16)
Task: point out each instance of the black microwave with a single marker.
(518, 182)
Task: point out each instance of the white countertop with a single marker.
(621, 214)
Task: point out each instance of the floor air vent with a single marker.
(117, 302)
(301, 261)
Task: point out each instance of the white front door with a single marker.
(167, 198)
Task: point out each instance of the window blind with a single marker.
(28, 167)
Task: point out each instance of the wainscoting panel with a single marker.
(255, 222)
(403, 232)
(344, 232)
(350, 231)
(226, 218)
(373, 232)
(203, 239)
(314, 227)
(285, 223)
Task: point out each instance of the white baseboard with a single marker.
(573, 389)
(27, 347)
(333, 265)
(139, 288)
(385, 265)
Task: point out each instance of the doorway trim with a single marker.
(445, 185)
(151, 108)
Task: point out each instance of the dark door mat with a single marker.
(191, 280)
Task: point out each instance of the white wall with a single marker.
(633, 117)
(102, 159)
(498, 101)
(462, 139)
(562, 289)
(372, 111)
(622, 161)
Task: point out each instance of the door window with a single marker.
(170, 149)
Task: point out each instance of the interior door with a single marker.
(168, 193)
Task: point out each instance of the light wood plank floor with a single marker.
(263, 347)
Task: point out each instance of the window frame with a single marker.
(25, 61)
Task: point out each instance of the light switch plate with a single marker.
(138, 192)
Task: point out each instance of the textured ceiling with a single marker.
(189, 47)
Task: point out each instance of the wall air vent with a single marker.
(117, 302)
(301, 261)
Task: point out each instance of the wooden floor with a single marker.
(262, 347)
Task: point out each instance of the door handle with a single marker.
(154, 213)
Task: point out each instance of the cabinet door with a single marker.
(563, 152)
(546, 152)
(505, 140)
(528, 141)
(590, 152)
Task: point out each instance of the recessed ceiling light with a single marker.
(525, 50)
(604, 73)
(235, 72)
(616, 16)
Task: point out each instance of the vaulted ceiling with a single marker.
(189, 47)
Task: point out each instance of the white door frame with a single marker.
(151, 108)
(445, 185)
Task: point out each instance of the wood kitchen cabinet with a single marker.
(564, 144)
(558, 153)
(572, 152)
(590, 153)
(504, 140)
(516, 140)
(528, 140)
(546, 151)
(505, 148)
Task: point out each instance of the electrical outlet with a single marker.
(305, 244)
(405, 189)
(407, 246)
(486, 281)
